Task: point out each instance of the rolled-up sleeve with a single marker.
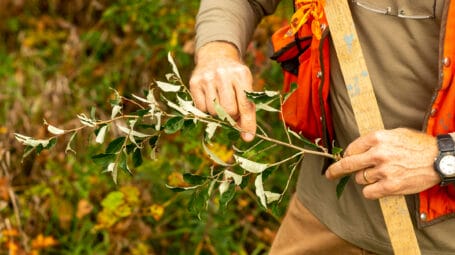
(232, 21)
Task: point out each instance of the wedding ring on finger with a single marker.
(365, 176)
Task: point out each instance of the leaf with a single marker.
(168, 87)
(29, 141)
(54, 130)
(263, 97)
(177, 107)
(341, 185)
(157, 116)
(86, 121)
(236, 177)
(173, 125)
(250, 166)
(213, 156)
(194, 179)
(123, 163)
(266, 107)
(137, 157)
(115, 145)
(222, 114)
(272, 197)
(52, 143)
(224, 186)
(42, 242)
(210, 130)
(101, 134)
(175, 70)
(113, 200)
(153, 140)
(104, 159)
(156, 211)
(180, 189)
(112, 168)
(304, 140)
(132, 132)
(336, 151)
(68, 145)
(260, 190)
(199, 202)
(227, 195)
(189, 107)
(116, 109)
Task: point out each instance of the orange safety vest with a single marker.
(302, 49)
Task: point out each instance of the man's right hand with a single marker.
(221, 76)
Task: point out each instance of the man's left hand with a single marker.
(390, 162)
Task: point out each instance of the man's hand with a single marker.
(221, 76)
(396, 162)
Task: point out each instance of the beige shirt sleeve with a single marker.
(232, 21)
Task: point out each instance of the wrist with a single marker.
(217, 49)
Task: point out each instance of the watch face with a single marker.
(447, 165)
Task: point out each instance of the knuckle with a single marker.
(391, 187)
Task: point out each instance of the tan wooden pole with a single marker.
(367, 115)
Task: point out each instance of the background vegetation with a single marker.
(60, 58)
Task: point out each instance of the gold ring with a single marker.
(365, 177)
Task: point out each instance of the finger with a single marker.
(364, 143)
(227, 95)
(198, 94)
(349, 165)
(247, 110)
(210, 92)
(382, 189)
(366, 176)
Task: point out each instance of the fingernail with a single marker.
(248, 137)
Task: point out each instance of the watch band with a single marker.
(445, 143)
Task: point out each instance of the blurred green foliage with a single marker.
(60, 58)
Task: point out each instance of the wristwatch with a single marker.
(445, 161)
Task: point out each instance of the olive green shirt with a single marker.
(400, 40)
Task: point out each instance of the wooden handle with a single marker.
(367, 115)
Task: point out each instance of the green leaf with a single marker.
(141, 112)
(52, 143)
(100, 134)
(250, 166)
(113, 200)
(115, 145)
(336, 151)
(213, 156)
(222, 114)
(272, 196)
(123, 164)
(175, 70)
(341, 185)
(153, 140)
(227, 196)
(198, 202)
(210, 130)
(233, 135)
(180, 189)
(103, 159)
(194, 179)
(263, 97)
(137, 157)
(260, 190)
(173, 125)
(168, 87)
(236, 177)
